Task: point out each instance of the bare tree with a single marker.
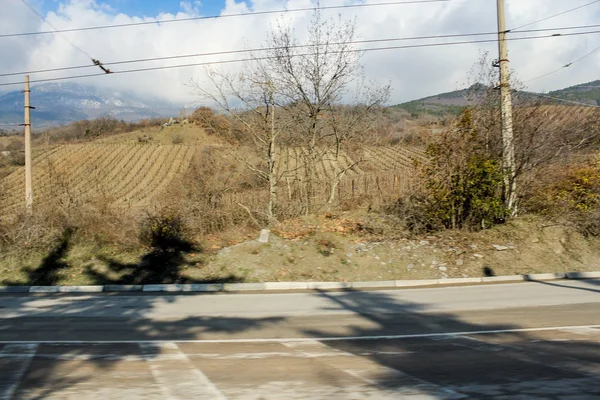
(306, 83)
(249, 99)
(545, 131)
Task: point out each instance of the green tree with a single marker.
(463, 182)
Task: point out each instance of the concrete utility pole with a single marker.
(28, 175)
(508, 146)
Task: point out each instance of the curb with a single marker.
(291, 286)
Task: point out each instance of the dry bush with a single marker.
(569, 193)
(216, 193)
(88, 224)
(211, 122)
(165, 231)
(92, 220)
(96, 128)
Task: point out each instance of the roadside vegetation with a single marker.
(350, 189)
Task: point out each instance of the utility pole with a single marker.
(28, 175)
(508, 145)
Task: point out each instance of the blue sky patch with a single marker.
(148, 8)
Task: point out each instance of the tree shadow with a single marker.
(555, 284)
(48, 272)
(447, 356)
(162, 264)
(154, 267)
(126, 320)
(412, 346)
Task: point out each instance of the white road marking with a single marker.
(583, 331)
(306, 339)
(371, 372)
(528, 355)
(176, 357)
(9, 381)
(178, 377)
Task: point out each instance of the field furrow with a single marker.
(127, 174)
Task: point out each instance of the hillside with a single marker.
(452, 103)
(443, 104)
(585, 93)
(128, 175)
(119, 170)
(132, 170)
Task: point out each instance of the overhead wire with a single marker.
(518, 30)
(168, 21)
(563, 100)
(242, 51)
(514, 30)
(149, 59)
(298, 55)
(54, 29)
(564, 66)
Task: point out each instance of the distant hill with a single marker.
(59, 103)
(452, 103)
(443, 104)
(588, 93)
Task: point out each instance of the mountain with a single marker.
(452, 103)
(588, 93)
(59, 103)
(443, 104)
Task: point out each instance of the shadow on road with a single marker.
(555, 284)
(460, 365)
(426, 360)
(116, 318)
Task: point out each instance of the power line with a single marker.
(447, 36)
(33, 10)
(563, 100)
(298, 55)
(89, 28)
(564, 66)
(243, 51)
(553, 16)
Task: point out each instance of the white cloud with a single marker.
(413, 73)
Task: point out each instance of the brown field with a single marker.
(130, 175)
(124, 172)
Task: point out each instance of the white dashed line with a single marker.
(177, 377)
(309, 339)
(9, 381)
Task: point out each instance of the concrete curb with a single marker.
(290, 286)
(582, 275)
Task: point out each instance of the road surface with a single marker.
(512, 341)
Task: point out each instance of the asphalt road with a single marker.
(510, 341)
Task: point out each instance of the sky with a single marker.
(412, 73)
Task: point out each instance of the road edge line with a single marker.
(295, 286)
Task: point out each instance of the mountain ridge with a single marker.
(452, 103)
(60, 103)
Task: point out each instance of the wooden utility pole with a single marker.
(28, 175)
(508, 146)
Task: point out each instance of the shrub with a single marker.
(177, 139)
(165, 231)
(570, 193)
(213, 124)
(461, 184)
